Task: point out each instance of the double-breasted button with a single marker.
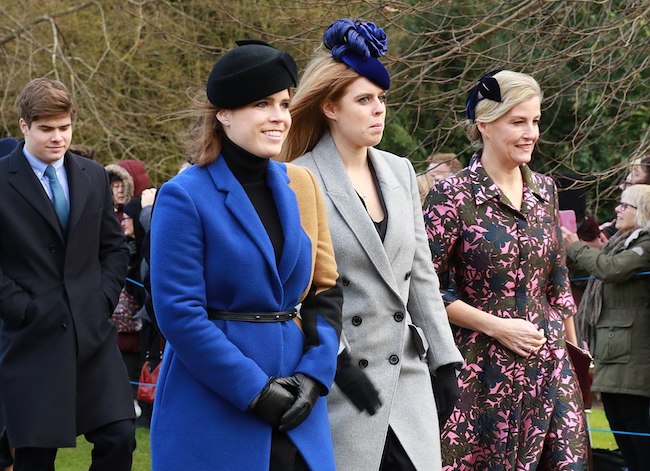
(363, 363)
(393, 359)
(408, 275)
(356, 321)
(52, 248)
(345, 281)
(398, 316)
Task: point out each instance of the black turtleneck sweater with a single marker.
(250, 171)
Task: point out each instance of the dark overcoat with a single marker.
(61, 373)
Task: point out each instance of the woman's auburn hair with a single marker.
(324, 79)
(202, 140)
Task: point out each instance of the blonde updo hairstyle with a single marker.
(515, 88)
(639, 195)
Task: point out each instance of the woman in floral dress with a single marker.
(497, 248)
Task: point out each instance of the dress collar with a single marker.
(485, 189)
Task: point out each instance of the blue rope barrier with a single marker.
(137, 283)
(136, 383)
(619, 432)
(587, 278)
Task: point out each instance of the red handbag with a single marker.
(147, 383)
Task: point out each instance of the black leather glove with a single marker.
(306, 392)
(445, 391)
(132, 245)
(356, 385)
(272, 402)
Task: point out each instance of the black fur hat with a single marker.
(251, 71)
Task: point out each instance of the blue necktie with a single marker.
(58, 196)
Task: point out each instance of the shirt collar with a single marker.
(38, 165)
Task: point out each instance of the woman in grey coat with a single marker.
(392, 309)
(617, 304)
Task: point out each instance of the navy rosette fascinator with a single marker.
(487, 88)
(358, 44)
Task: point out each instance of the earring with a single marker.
(226, 123)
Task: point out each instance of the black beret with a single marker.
(251, 71)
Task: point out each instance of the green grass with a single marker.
(597, 420)
(77, 459)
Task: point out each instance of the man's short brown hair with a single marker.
(45, 98)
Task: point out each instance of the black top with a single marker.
(381, 225)
(250, 171)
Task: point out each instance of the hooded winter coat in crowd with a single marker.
(117, 173)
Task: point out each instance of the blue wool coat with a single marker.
(210, 250)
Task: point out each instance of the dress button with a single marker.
(345, 281)
(408, 275)
(356, 321)
(52, 248)
(398, 316)
(393, 359)
(64, 325)
(363, 363)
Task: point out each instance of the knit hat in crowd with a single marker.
(251, 71)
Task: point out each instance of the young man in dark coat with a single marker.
(63, 261)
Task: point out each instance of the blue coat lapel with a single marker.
(242, 209)
(287, 206)
(238, 203)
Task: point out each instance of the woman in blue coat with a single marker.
(238, 243)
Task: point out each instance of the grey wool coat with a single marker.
(390, 300)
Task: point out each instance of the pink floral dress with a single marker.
(514, 413)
